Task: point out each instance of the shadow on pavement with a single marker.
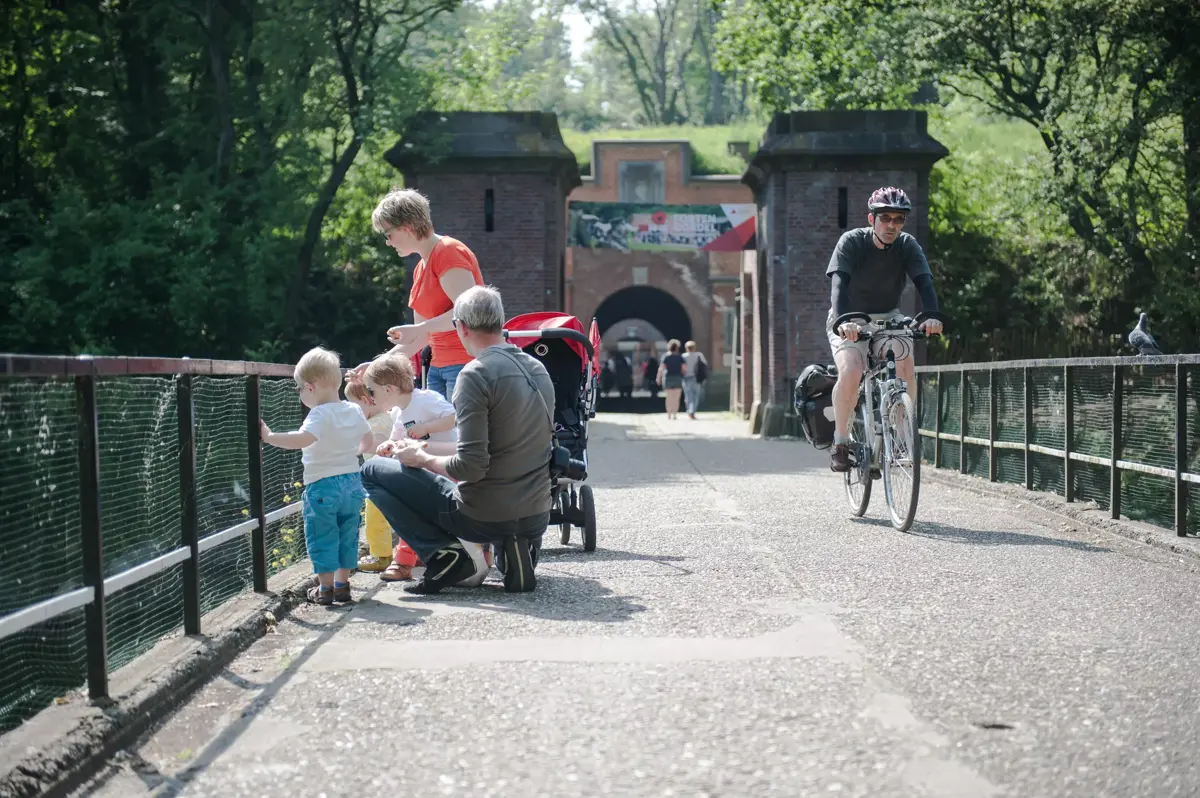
(985, 537)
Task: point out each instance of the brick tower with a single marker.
(499, 183)
(811, 178)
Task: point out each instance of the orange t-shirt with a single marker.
(428, 299)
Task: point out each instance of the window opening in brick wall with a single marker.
(642, 181)
(489, 210)
(843, 208)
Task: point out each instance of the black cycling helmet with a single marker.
(890, 198)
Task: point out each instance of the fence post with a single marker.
(1118, 404)
(1181, 487)
(1068, 430)
(95, 617)
(937, 424)
(187, 494)
(1028, 397)
(258, 537)
(991, 425)
(964, 414)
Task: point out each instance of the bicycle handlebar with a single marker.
(890, 327)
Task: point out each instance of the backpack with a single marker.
(701, 370)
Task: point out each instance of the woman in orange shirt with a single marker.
(447, 268)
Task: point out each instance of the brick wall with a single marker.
(522, 255)
(594, 275)
(604, 184)
(683, 276)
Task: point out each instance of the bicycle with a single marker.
(889, 449)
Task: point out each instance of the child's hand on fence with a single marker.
(264, 431)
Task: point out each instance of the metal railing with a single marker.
(87, 376)
(1123, 432)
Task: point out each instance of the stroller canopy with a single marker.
(553, 320)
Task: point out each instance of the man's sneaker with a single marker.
(447, 566)
(517, 558)
(839, 457)
(479, 559)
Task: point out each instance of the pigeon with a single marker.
(1141, 339)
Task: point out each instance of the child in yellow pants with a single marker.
(379, 532)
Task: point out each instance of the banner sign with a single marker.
(661, 228)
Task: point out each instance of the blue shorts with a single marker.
(332, 515)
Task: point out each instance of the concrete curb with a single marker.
(82, 739)
(1078, 513)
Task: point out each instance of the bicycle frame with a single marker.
(880, 378)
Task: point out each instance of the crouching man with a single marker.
(503, 400)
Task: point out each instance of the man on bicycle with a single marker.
(868, 271)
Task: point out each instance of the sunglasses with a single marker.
(888, 218)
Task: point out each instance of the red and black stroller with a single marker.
(570, 357)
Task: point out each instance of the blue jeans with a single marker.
(332, 515)
(442, 380)
(691, 394)
(424, 512)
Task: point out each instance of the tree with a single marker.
(1105, 83)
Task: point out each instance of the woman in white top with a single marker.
(691, 385)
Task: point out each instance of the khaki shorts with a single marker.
(837, 343)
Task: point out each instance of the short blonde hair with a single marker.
(673, 346)
(403, 207)
(357, 392)
(319, 365)
(690, 346)
(394, 371)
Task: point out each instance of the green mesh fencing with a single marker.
(140, 514)
(40, 541)
(222, 485)
(927, 388)
(1192, 375)
(283, 475)
(1147, 425)
(140, 507)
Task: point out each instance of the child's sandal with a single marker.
(318, 596)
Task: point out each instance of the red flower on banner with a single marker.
(659, 218)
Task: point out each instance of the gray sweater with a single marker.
(503, 437)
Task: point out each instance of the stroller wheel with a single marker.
(588, 505)
(565, 524)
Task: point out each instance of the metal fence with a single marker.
(136, 496)
(1121, 432)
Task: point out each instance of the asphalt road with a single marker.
(737, 634)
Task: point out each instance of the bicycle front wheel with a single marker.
(901, 460)
(858, 478)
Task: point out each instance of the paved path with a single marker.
(737, 635)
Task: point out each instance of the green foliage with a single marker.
(1111, 216)
(192, 179)
(710, 152)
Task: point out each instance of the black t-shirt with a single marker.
(673, 365)
(876, 275)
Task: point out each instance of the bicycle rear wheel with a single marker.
(858, 478)
(901, 460)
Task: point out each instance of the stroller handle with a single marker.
(573, 335)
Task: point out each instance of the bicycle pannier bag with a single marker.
(814, 403)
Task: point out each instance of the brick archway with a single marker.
(648, 303)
